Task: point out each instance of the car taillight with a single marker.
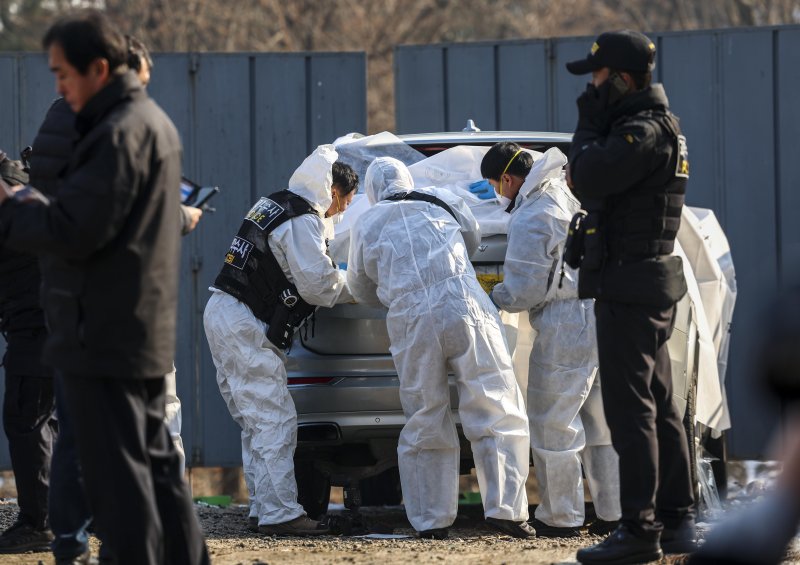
(310, 380)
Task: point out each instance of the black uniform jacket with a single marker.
(110, 281)
(628, 171)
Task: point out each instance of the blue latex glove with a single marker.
(343, 266)
(480, 186)
(482, 189)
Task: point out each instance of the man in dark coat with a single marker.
(28, 405)
(629, 166)
(110, 292)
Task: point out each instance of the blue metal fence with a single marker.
(736, 94)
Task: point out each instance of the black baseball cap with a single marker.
(621, 50)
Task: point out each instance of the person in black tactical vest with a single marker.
(629, 166)
(28, 405)
(275, 273)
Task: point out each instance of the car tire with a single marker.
(382, 489)
(313, 489)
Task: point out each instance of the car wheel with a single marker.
(382, 489)
(313, 489)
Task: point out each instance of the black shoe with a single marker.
(252, 524)
(300, 526)
(522, 530)
(547, 531)
(621, 547)
(22, 538)
(82, 559)
(682, 539)
(436, 533)
(602, 527)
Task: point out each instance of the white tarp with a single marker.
(705, 249)
(701, 242)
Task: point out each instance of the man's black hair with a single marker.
(498, 157)
(138, 54)
(86, 36)
(640, 80)
(345, 178)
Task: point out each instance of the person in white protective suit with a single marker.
(279, 252)
(565, 409)
(410, 252)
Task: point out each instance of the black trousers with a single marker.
(31, 429)
(142, 508)
(646, 428)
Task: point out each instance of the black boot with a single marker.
(682, 539)
(22, 538)
(544, 530)
(436, 533)
(522, 530)
(622, 547)
(602, 527)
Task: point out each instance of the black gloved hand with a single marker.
(593, 107)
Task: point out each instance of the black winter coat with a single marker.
(21, 316)
(111, 282)
(52, 147)
(629, 168)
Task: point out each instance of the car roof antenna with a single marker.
(471, 126)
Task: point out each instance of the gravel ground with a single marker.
(470, 542)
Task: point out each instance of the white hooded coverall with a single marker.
(250, 370)
(565, 410)
(413, 257)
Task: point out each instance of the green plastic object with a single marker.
(469, 498)
(222, 500)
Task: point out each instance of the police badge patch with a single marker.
(264, 212)
(682, 167)
(238, 253)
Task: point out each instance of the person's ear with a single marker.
(628, 80)
(100, 69)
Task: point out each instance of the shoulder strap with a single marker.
(422, 197)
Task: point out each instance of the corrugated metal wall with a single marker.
(246, 121)
(736, 93)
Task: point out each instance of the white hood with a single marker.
(386, 176)
(546, 166)
(313, 178)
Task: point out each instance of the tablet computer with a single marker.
(192, 194)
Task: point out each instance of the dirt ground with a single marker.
(470, 542)
(230, 543)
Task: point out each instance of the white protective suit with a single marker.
(567, 423)
(250, 370)
(413, 257)
(172, 416)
